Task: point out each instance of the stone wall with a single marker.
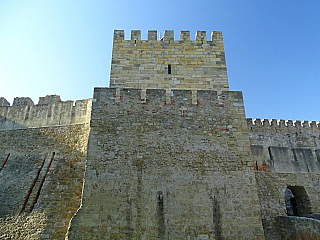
(50, 111)
(294, 228)
(43, 151)
(285, 155)
(176, 159)
(4, 102)
(41, 178)
(168, 63)
(160, 171)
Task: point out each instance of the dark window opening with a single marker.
(135, 43)
(294, 155)
(297, 201)
(270, 154)
(318, 155)
(169, 69)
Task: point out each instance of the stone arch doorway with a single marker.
(297, 201)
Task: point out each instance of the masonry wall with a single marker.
(143, 64)
(299, 228)
(42, 168)
(50, 111)
(42, 175)
(174, 160)
(285, 154)
(168, 171)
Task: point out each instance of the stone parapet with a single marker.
(22, 101)
(266, 123)
(50, 111)
(49, 99)
(4, 102)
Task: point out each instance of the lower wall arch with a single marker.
(297, 201)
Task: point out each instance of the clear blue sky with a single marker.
(64, 47)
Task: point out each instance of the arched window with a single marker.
(297, 201)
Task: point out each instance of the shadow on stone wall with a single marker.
(294, 228)
(41, 180)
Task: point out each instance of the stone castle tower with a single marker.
(165, 153)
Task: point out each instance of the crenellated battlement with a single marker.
(166, 63)
(285, 146)
(175, 98)
(49, 99)
(204, 108)
(20, 101)
(50, 111)
(266, 123)
(4, 102)
(167, 152)
(285, 159)
(201, 36)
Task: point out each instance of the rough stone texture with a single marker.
(143, 64)
(49, 99)
(284, 156)
(22, 101)
(164, 171)
(4, 102)
(23, 227)
(174, 160)
(295, 228)
(31, 183)
(50, 111)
